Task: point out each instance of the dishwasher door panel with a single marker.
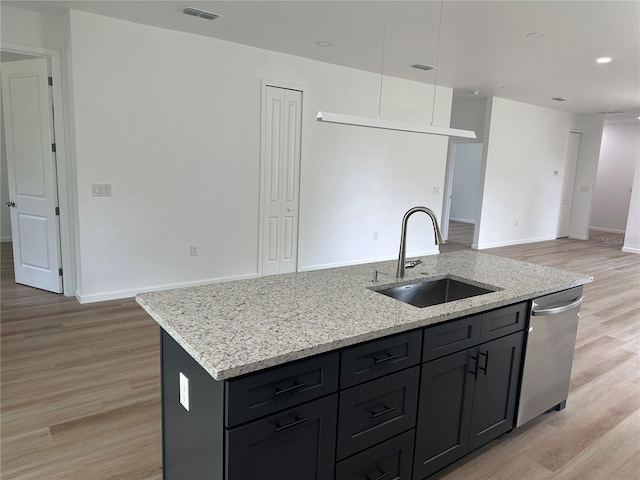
(548, 359)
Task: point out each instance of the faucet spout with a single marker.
(402, 256)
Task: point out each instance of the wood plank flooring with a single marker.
(80, 384)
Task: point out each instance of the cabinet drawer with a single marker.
(298, 443)
(503, 321)
(267, 392)
(375, 411)
(380, 357)
(390, 460)
(447, 338)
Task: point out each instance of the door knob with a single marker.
(10, 204)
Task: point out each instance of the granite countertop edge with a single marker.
(216, 326)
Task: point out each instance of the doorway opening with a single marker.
(61, 167)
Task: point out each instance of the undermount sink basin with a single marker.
(427, 293)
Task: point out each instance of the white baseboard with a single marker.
(579, 237)
(608, 230)
(462, 220)
(363, 261)
(101, 297)
(630, 250)
(511, 242)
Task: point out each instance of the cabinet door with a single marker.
(298, 443)
(444, 412)
(494, 399)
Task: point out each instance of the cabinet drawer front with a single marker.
(504, 321)
(267, 392)
(390, 460)
(381, 357)
(377, 410)
(297, 443)
(441, 340)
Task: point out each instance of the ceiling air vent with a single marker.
(422, 66)
(196, 12)
(560, 99)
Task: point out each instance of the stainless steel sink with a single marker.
(426, 293)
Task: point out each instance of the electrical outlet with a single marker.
(437, 190)
(516, 224)
(375, 235)
(584, 189)
(194, 250)
(184, 391)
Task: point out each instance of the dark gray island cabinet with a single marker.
(397, 407)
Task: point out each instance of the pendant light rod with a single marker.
(384, 41)
(435, 81)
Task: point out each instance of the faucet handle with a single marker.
(412, 263)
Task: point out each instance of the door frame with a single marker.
(63, 164)
(448, 185)
(263, 159)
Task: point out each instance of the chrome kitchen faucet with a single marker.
(402, 256)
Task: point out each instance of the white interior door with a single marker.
(281, 180)
(571, 164)
(31, 167)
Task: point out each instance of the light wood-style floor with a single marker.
(80, 383)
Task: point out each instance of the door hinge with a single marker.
(60, 272)
(53, 147)
(57, 210)
(51, 81)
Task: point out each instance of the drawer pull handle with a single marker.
(297, 421)
(388, 358)
(474, 373)
(383, 412)
(379, 477)
(292, 388)
(486, 362)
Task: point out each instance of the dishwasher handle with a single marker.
(553, 311)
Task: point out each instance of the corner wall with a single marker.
(521, 195)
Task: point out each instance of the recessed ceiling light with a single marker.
(536, 34)
(603, 60)
(196, 12)
(324, 44)
(507, 87)
(475, 92)
(560, 99)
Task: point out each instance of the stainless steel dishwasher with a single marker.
(551, 340)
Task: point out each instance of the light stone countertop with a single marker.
(243, 326)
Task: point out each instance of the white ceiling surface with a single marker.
(483, 44)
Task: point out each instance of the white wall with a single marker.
(612, 192)
(632, 235)
(172, 121)
(591, 128)
(521, 195)
(466, 181)
(469, 114)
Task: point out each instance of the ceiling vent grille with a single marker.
(196, 12)
(560, 99)
(422, 66)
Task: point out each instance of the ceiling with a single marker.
(477, 45)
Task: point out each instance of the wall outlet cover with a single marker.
(184, 391)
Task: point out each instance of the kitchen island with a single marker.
(301, 355)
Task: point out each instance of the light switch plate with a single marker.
(184, 391)
(101, 189)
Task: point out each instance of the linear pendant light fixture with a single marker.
(343, 119)
(392, 125)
